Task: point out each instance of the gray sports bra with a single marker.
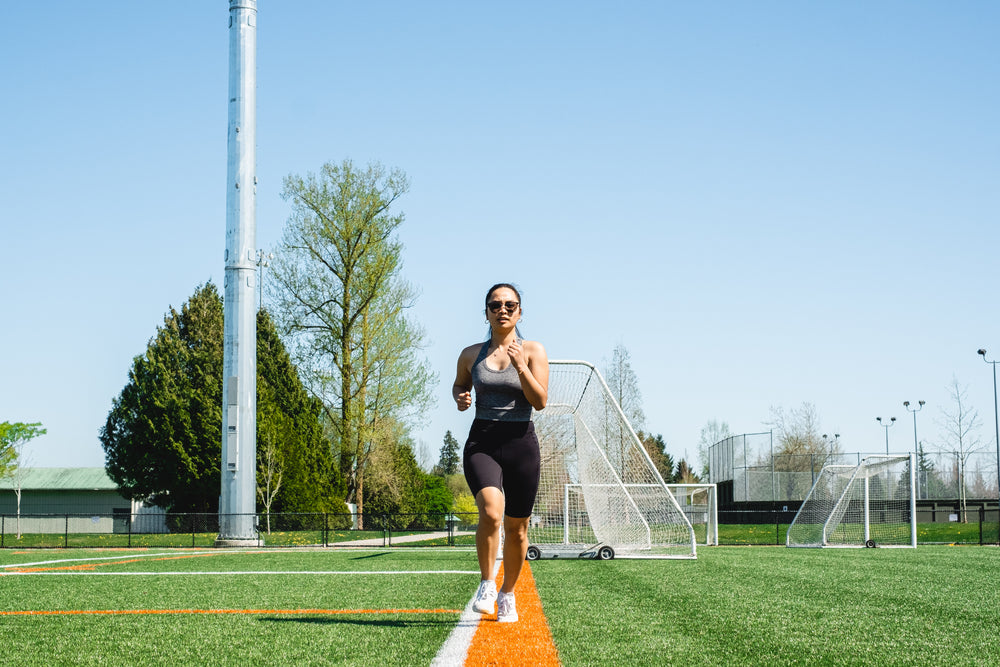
(499, 396)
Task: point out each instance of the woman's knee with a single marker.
(516, 527)
(491, 505)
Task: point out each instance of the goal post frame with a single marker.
(712, 507)
(599, 452)
(848, 495)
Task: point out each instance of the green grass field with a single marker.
(733, 605)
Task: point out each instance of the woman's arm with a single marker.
(461, 391)
(532, 366)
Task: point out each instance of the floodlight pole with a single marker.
(996, 420)
(237, 502)
(892, 421)
(916, 446)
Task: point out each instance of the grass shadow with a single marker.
(365, 622)
(378, 555)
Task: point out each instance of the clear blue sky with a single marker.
(767, 203)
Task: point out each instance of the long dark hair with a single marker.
(489, 332)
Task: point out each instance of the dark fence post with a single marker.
(982, 518)
(66, 532)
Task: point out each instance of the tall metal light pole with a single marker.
(996, 423)
(916, 446)
(237, 502)
(892, 421)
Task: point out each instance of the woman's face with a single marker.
(503, 307)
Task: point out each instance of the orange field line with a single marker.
(527, 642)
(117, 612)
(94, 566)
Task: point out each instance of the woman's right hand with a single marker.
(464, 400)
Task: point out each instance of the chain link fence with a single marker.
(760, 473)
(761, 523)
(201, 530)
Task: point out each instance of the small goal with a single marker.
(700, 503)
(598, 486)
(865, 505)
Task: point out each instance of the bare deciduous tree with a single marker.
(800, 446)
(712, 432)
(960, 423)
(269, 472)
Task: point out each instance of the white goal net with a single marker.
(598, 484)
(870, 504)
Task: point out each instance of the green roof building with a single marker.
(53, 498)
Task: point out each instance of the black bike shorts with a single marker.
(504, 455)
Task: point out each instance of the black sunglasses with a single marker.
(495, 306)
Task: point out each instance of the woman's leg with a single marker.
(515, 548)
(490, 503)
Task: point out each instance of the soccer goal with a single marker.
(870, 504)
(700, 503)
(598, 486)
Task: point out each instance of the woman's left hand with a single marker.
(516, 354)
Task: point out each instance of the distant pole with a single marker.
(833, 445)
(892, 421)
(916, 447)
(996, 419)
(263, 261)
(237, 503)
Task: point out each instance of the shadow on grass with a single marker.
(384, 553)
(374, 623)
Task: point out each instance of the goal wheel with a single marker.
(605, 553)
(533, 553)
(869, 544)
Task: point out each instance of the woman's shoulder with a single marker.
(471, 352)
(533, 347)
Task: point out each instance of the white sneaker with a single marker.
(506, 609)
(486, 597)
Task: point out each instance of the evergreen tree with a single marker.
(657, 450)
(289, 426)
(162, 437)
(450, 462)
(685, 475)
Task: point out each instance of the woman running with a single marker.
(501, 458)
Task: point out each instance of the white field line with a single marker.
(232, 573)
(456, 648)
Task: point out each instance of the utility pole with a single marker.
(237, 503)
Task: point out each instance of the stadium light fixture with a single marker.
(886, 426)
(916, 446)
(996, 423)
